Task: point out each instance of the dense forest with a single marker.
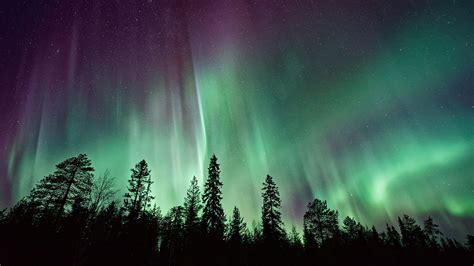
(72, 217)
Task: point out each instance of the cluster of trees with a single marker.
(72, 218)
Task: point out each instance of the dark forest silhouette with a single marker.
(72, 218)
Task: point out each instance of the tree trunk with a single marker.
(66, 194)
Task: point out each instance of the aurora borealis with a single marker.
(367, 104)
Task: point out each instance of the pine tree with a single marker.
(46, 194)
(374, 236)
(256, 232)
(213, 215)
(72, 181)
(272, 226)
(320, 223)
(172, 235)
(237, 228)
(470, 243)
(138, 197)
(3, 216)
(393, 237)
(294, 238)
(192, 207)
(353, 230)
(412, 234)
(432, 233)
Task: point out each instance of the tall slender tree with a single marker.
(237, 228)
(139, 196)
(192, 207)
(295, 239)
(272, 226)
(213, 219)
(432, 232)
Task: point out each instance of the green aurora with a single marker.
(369, 107)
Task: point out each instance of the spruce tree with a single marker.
(192, 207)
(138, 197)
(432, 233)
(295, 240)
(237, 228)
(272, 226)
(213, 215)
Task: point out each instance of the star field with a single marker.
(369, 105)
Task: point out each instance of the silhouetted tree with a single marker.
(272, 226)
(72, 181)
(294, 237)
(192, 228)
(470, 243)
(172, 235)
(393, 237)
(103, 191)
(150, 223)
(139, 195)
(237, 228)
(70, 219)
(213, 215)
(46, 194)
(257, 234)
(3, 216)
(374, 236)
(352, 229)
(140, 237)
(320, 223)
(192, 207)
(450, 244)
(432, 233)
(412, 234)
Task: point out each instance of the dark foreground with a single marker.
(73, 218)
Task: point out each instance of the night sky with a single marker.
(367, 104)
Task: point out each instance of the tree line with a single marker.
(72, 217)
